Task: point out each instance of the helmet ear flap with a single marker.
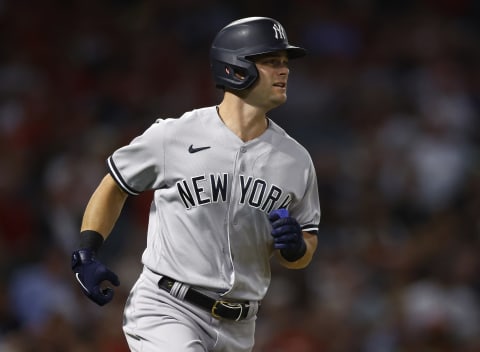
(238, 73)
(236, 77)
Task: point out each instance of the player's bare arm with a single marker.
(100, 216)
(311, 242)
(104, 207)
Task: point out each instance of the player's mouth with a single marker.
(280, 85)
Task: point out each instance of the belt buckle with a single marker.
(228, 305)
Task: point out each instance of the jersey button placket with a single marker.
(241, 169)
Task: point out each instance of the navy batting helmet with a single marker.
(235, 46)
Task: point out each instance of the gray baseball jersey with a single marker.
(208, 224)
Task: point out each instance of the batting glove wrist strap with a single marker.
(90, 239)
(287, 235)
(90, 273)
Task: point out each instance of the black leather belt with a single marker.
(219, 309)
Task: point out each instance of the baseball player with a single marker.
(232, 189)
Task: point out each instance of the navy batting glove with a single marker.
(90, 273)
(287, 235)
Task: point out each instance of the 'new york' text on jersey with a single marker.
(257, 193)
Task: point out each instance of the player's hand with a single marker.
(90, 273)
(287, 235)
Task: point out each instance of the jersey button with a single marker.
(243, 149)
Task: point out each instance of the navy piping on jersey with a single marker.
(118, 178)
(313, 229)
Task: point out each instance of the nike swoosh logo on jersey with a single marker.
(192, 150)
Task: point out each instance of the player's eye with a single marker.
(275, 62)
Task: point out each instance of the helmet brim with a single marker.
(293, 52)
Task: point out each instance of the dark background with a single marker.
(387, 103)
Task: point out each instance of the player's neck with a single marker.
(246, 121)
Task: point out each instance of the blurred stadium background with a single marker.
(388, 104)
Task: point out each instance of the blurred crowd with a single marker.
(387, 102)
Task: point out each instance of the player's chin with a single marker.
(280, 99)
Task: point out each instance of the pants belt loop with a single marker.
(252, 309)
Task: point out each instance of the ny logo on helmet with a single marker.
(279, 31)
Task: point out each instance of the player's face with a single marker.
(270, 89)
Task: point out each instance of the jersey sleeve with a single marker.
(139, 166)
(307, 210)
